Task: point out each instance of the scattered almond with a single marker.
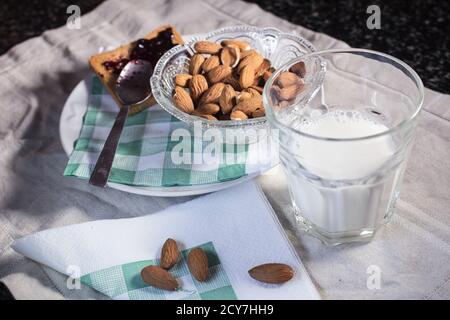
(196, 64)
(198, 85)
(207, 47)
(210, 63)
(198, 264)
(182, 100)
(159, 278)
(242, 45)
(169, 254)
(229, 56)
(227, 99)
(272, 273)
(219, 73)
(182, 80)
(238, 115)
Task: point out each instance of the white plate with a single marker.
(70, 125)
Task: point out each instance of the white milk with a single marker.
(330, 180)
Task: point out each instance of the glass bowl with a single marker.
(277, 46)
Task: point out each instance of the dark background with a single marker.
(416, 31)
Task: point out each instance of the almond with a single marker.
(242, 96)
(272, 273)
(198, 86)
(208, 117)
(159, 278)
(196, 64)
(247, 53)
(169, 254)
(207, 47)
(257, 88)
(263, 67)
(229, 56)
(219, 73)
(198, 264)
(290, 92)
(253, 60)
(182, 80)
(286, 79)
(249, 105)
(227, 99)
(182, 100)
(253, 92)
(238, 115)
(247, 76)
(242, 45)
(260, 112)
(299, 69)
(266, 75)
(207, 108)
(210, 63)
(233, 82)
(212, 95)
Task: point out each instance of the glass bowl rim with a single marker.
(399, 126)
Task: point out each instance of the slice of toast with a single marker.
(107, 65)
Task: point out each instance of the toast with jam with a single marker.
(108, 65)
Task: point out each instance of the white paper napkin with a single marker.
(239, 222)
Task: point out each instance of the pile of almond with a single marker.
(225, 81)
(197, 260)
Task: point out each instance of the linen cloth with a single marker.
(237, 228)
(412, 252)
(144, 154)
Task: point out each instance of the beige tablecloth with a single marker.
(412, 252)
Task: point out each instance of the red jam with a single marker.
(150, 50)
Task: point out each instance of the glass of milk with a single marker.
(345, 122)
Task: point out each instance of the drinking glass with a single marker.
(345, 122)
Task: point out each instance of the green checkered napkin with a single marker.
(124, 282)
(143, 156)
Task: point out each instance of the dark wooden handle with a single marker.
(99, 176)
